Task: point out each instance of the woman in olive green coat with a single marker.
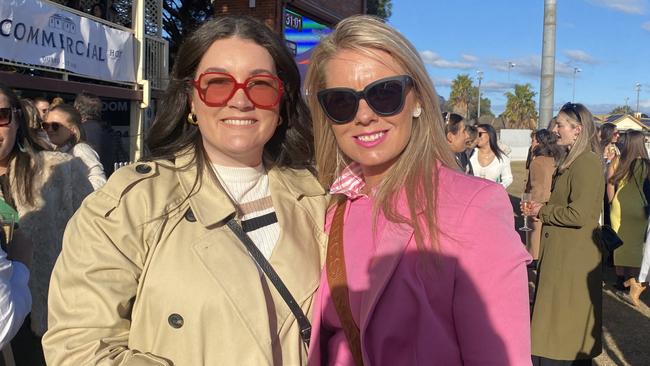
(567, 312)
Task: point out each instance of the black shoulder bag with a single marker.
(303, 322)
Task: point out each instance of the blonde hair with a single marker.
(427, 145)
(587, 140)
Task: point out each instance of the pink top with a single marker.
(465, 305)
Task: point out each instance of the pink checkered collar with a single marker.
(350, 182)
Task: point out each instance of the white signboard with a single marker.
(42, 34)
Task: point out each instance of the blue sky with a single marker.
(608, 40)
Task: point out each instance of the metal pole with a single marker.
(575, 71)
(510, 66)
(548, 64)
(480, 77)
(638, 89)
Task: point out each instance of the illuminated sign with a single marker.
(301, 32)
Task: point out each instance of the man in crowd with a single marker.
(99, 135)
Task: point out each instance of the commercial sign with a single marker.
(301, 32)
(42, 34)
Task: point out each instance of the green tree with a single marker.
(380, 8)
(622, 110)
(180, 18)
(462, 92)
(520, 108)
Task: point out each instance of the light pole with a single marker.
(510, 66)
(575, 71)
(638, 89)
(480, 77)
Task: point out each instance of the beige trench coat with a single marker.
(136, 286)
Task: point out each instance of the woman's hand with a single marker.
(530, 209)
(610, 153)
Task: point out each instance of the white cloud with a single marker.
(469, 58)
(429, 56)
(441, 82)
(644, 103)
(580, 56)
(530, 66)
(433, 59)
(646, 26)
(625, 6)
(496, 87)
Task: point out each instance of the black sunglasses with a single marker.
(573, 108)
(53, 125)
(5, 116)
(384, 96)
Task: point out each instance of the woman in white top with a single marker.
(62, 124)
(489, 161)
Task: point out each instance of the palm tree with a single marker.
(520, 108)
(461, 94)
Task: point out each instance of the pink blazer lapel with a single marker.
(390, 248)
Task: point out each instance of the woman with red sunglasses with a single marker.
(45, 188)
(168, 263)
(423, 263)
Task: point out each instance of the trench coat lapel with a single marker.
(298, 254)
(223, 256)
(296, 258)
(389, 252)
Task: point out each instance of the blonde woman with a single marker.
(423, 261)
(62, 124)
(567, 312)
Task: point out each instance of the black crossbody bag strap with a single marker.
(303, 322)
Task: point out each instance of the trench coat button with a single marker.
(175, 320)
(189, 216)
(546, 235)
(142, 168)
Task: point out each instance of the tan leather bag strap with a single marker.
(338, 284)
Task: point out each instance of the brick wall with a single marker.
(269, 11)
(264, 10)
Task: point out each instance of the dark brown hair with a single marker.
(547, 145)
(25, 150)
(452, 122)
(292, 143)
(633, 156)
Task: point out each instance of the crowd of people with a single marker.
(354, 225)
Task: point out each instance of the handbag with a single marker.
(338, 284)
(609, 238)
(303, 322)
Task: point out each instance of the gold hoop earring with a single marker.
(191, 119)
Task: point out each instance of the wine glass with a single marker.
(525, 205)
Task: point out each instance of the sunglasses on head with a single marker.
(217, 88)
(5, 116)
(384, 96)
(573, 108)
(53, 125)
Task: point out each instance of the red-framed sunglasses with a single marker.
(217, 88)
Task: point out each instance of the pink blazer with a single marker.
(469, 307)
